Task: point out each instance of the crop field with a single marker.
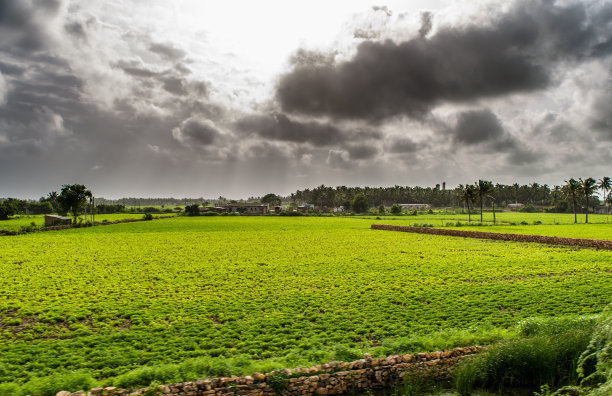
(15, 223)
(107, 300)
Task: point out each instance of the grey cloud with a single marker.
(426, 23)
(338, 159)
(168, 51)
(401, 145)
(514, 53)
(361, 152)
(280, 127)
(384, 9)
(25, 23)
(482, 129)
(477, 126)
(3, 89)
(197, 132)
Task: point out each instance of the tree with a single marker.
(396, 209)
(605, 184)
(7, 208)
(73, 198)
(587, 187)
(272, 199)
(483, 189)
(571, 189)
(360, 204)
(467, 194)
(192, 210)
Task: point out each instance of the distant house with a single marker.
(515, 206)
(278, 209)
(248, 208)
(52, 220)
(218, 209)
(414, 206)
(306, 208)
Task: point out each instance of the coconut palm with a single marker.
(483, 189)
(587, 187)
(605, 184)
(571, 189)
(467, 194)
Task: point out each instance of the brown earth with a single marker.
(549, 240)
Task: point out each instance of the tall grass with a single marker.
(528, 362)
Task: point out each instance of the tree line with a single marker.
(555, 199)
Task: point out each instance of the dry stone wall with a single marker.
(333, 378)
(578, 242)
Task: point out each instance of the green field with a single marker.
(16, 222)
(106, 300)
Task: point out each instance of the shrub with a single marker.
(49, 386)
(526, 362)
(147, 216)
(528, 209)
(396, 209)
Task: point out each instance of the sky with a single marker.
(188, 98)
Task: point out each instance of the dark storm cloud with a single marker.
(426, 23)
(478, 126)
(514, 53)
(279, 127)
(401, 145)
(197, 132)
(24, 23)
(361, 152)
(482, 130)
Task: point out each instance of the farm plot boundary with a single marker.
(549, 240)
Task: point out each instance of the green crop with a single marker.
(107, 300)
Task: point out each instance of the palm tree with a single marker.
(588, 187)
(467, 194)
(483, 188)
(571, 188)
(605, 184)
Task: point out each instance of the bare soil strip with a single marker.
(549, 240)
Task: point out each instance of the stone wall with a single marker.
(577, 242)
(333, 378)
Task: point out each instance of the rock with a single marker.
(367, 356)
(62, 393)
(259, 377)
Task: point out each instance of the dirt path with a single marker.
(549, 240)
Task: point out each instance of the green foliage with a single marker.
(529, 208)
(7, 208)
(360, 204)
(147, 216)
(73, 198)
(556, 325)
(272, 199)
(50, 385)
(278, 383)
(192, 210)
(528, 362)
(396, 209)
(595, 364)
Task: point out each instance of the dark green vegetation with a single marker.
(208, 295)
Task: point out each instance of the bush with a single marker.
(528, 362)
(49, 386)
(396, 209)
(147, 216)
(528, 209)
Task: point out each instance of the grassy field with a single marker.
(107, 300)
(16, 222)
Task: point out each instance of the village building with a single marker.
(248, 208)
(52, 220)
(414, 206)
(515, 206)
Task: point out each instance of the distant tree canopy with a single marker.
(192, 210)
(73, 198)
(272, 199)
(360, 204)
(7, 208)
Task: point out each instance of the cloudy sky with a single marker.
(241, 98)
